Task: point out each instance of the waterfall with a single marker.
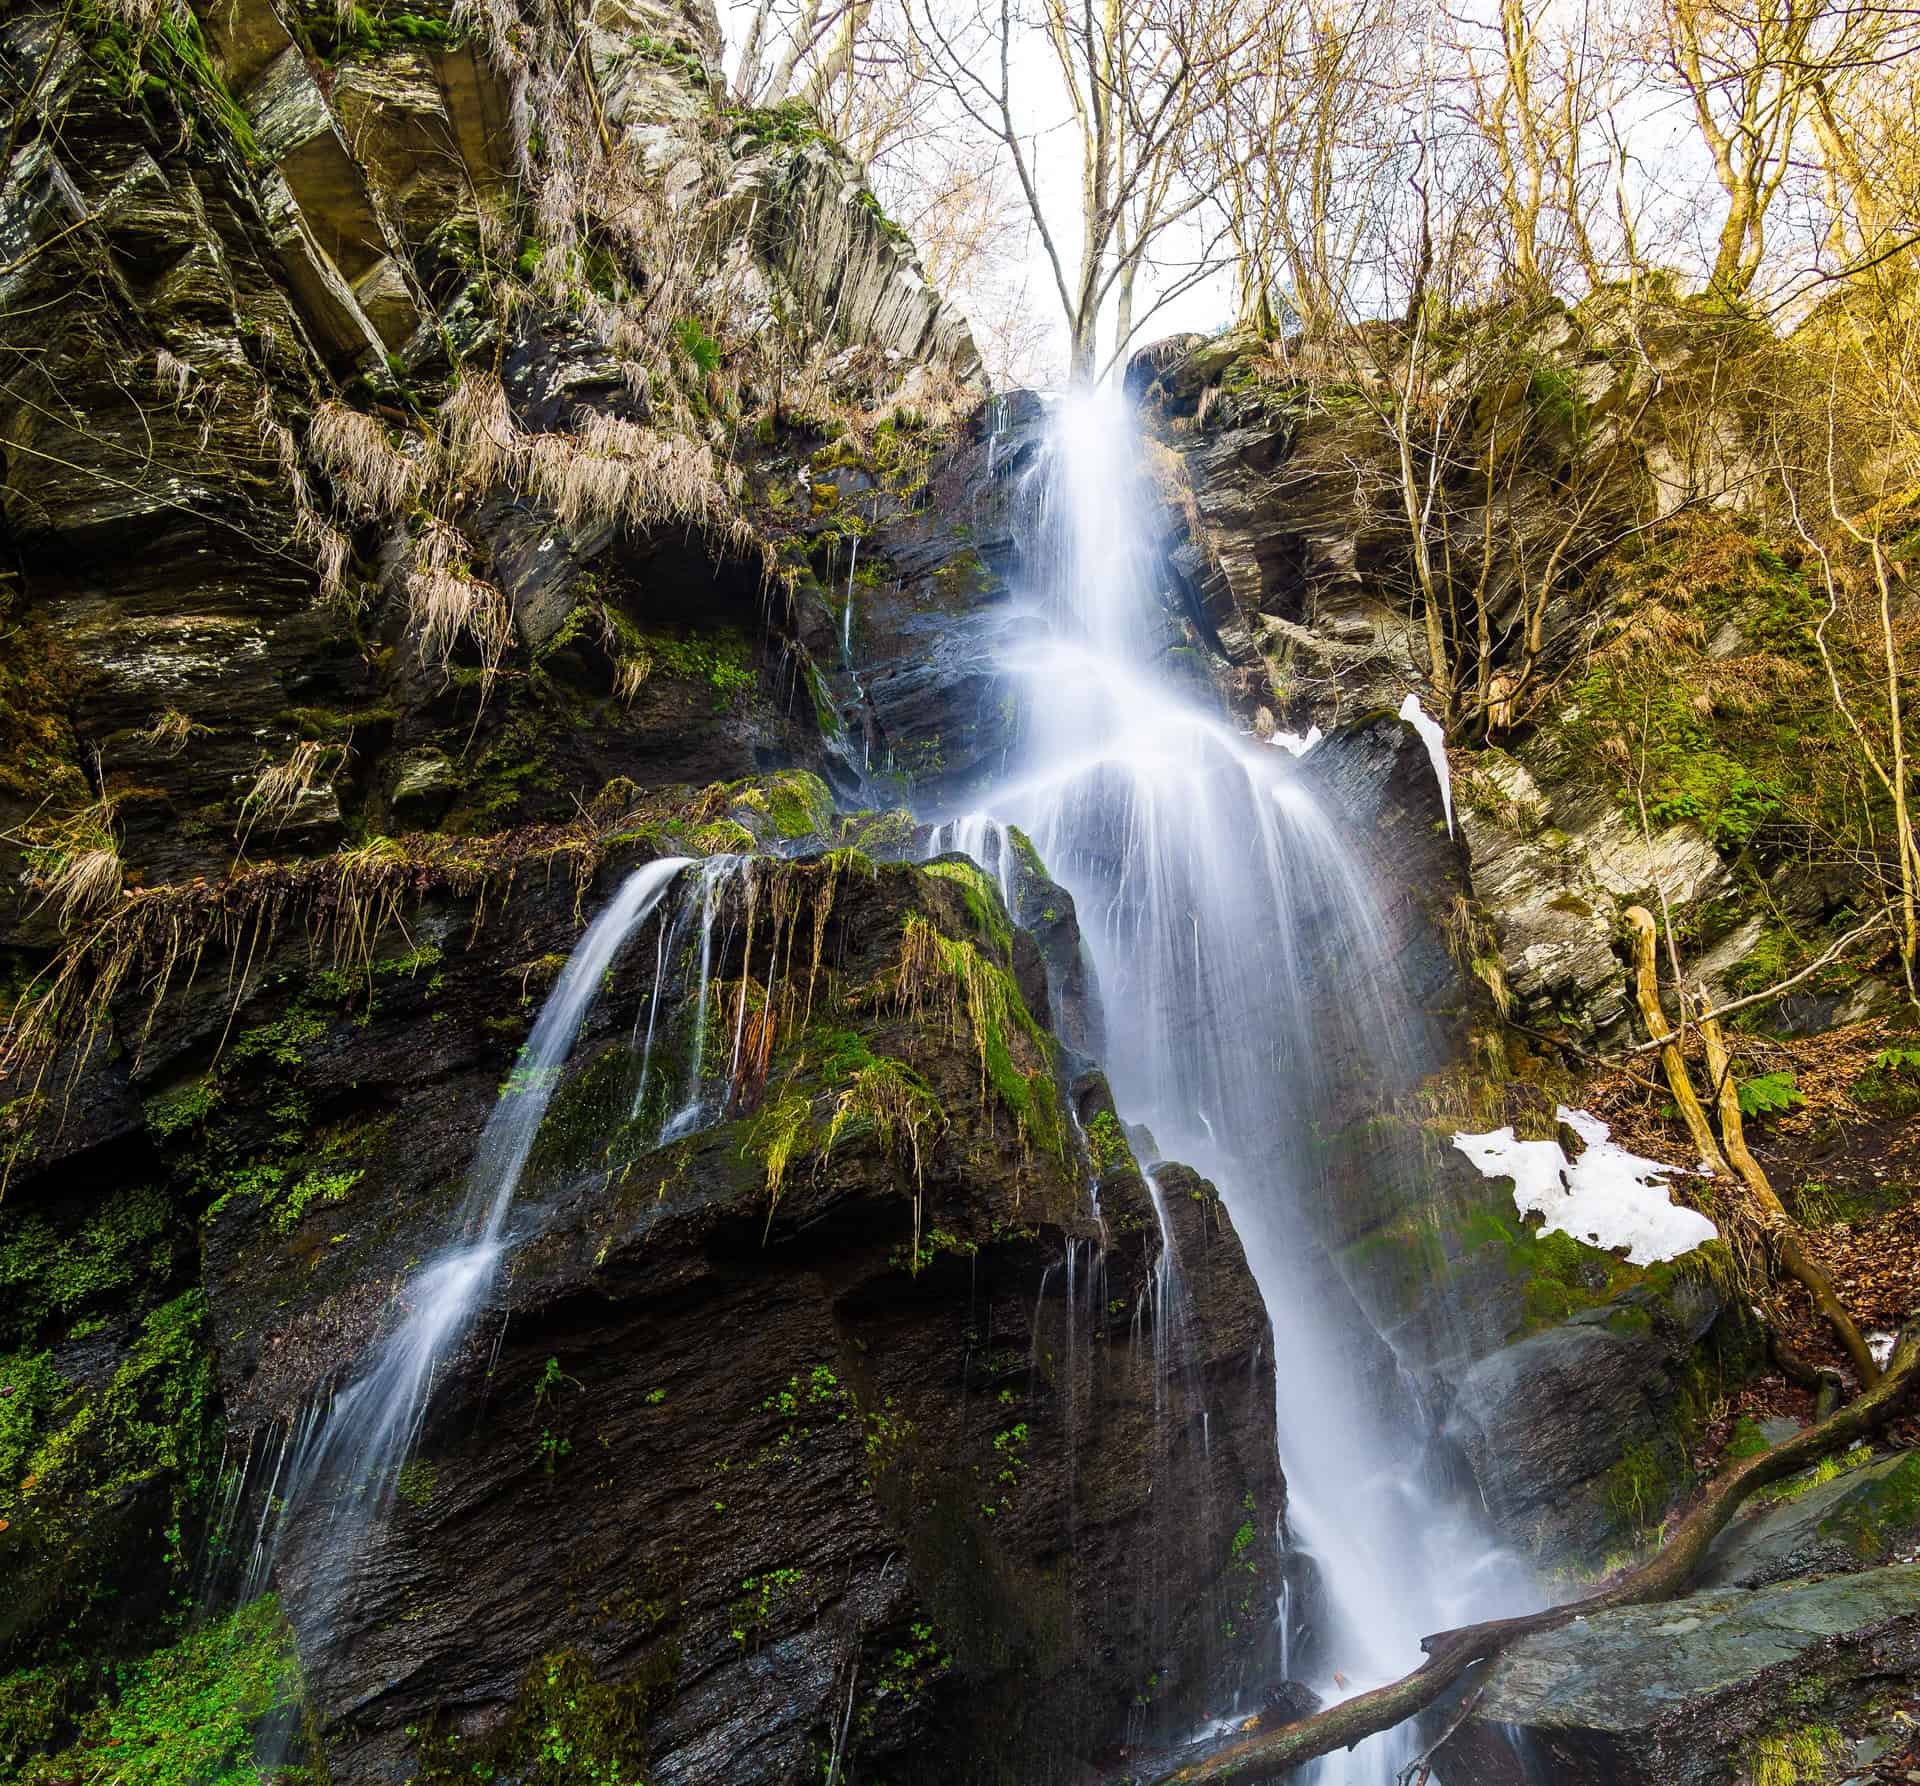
(349, 1453)
(1211, 886)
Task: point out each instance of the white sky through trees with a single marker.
(1569, 144)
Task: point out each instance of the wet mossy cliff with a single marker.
(447, 466)
(853, 1398)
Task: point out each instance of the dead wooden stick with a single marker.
(1646, 989)
(1781, 1230)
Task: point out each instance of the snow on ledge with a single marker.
(1295, 742)
(1607, 1197)
(1429, 728)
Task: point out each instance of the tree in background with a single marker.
(1134, 80)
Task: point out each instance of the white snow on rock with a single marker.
(1294, 742)
(1607, 1197)
(1429, 729)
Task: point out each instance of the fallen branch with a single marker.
(1270, 1754)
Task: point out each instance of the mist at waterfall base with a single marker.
(1239, 953)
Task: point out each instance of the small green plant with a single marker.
(763, 1598)
(550, 1448)
(315, 1187)
(1768, 1095)
(700, 348)
(1892, 1083)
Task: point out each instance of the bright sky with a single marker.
(1668, 178)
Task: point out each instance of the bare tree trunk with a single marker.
(1768, 1213)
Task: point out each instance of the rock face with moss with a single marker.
(1865, 1512)
(406, 523)
(352, 483)
(845, 1400)
(1678, 750)
(1725, 1684)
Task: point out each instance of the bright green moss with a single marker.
(187, 1715)
(90, 1468)
(1107, 1143)
(44, 1274)
(567, 1728)
(799, 804)
(983, 902)
(185, 1107)
(1639, 1486)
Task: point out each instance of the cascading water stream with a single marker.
(1213, 893)
(350, 1451)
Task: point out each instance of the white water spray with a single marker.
(1212, 889)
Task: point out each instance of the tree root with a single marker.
(1270, 1754)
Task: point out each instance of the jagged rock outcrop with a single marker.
(295, 221)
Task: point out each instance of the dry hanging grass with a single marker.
(173, 375)
(331, 551)
(280, 788)
(344, 903)
(354, 451)
(74, 864)
(170, 732)
(617, 473)
(480, 437)
(448, 603)
(630, 673)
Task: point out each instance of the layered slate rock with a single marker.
(1866, 1516)
(1686, 1692)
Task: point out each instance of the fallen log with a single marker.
(1268, 1755)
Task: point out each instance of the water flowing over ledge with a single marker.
(1202, 864)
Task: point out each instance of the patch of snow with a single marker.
(1294, 742)
(1880, 1345)
(1608, 1197)
(1429, 728)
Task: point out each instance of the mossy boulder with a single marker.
(1865, 1515)
(1696, 1691)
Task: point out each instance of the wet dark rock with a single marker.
(1289, 1701)
(1543, 1422)
(784, 1453)
(1680, 1694)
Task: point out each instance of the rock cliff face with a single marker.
(1298, 569)
(430, 455)
(445, 465)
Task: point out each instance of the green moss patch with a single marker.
(189, 1715)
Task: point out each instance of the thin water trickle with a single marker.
(337, 1465)
(1214, 893)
